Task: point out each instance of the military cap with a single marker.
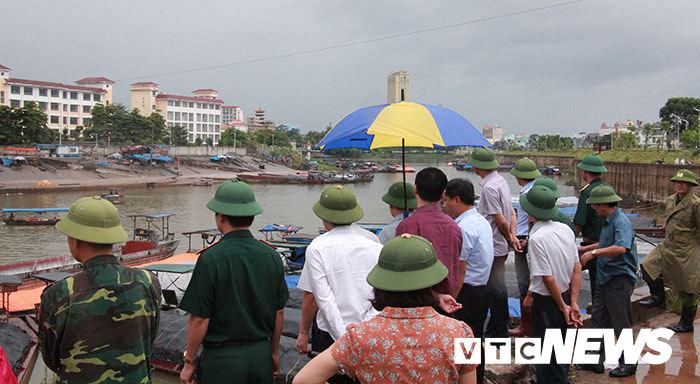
(540, 203)
(548, 183)
(338, 205)
(525, 169)
(603, 194)
(685, 175)
(93, 219)
(235, 198)
(592, 163)
(396, 193)
(407, 263)
(483, 158)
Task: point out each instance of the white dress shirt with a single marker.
(551, 251)
(336, 269)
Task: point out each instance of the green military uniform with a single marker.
(562, 218)
(677, 258)
(585, 215)
(238, 284)
(99, 325)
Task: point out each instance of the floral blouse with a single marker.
(402, 345)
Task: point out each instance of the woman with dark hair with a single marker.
(409, 341)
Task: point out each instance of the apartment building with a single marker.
(66, 106)
(398, 86)
(200, 113)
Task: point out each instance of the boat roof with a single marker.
(154, 215)
(170, 268)
(110, 196)
(35, 210)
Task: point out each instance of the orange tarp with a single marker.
(25, 299)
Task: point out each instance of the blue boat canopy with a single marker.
(35, 210)
(154, 215)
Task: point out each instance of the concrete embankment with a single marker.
(79, 175)
(645, 182)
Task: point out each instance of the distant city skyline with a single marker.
(537, 67)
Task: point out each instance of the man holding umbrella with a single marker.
(676, 261)
(496, 207)
(399, 194)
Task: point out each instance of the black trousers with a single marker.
(475, 307)
(498, 300)
(612, 308)
(546, 315)
(324, 342)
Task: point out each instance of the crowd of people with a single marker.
(376, 309)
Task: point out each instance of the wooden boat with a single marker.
(152, 243)
(9, 216)
(275, 178)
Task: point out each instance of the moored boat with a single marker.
(15, 216)
(152, 243)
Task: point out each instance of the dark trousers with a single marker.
(498, 300)
(249, 363)
(592, 268)
(475, 306)
(522, 270)
(324, 342)
(612, 308)
(546, 315)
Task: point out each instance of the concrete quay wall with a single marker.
(645, 182)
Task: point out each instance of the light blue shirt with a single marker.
(523, 229)
(389, 232)
(477, 247)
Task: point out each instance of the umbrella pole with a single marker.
(403, 171)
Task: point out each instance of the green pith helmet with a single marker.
(483, 158)
(235, 198)
(93, 219)
(407, 263)
(525, 169)
(592, 163)
(396, 193)
(548, 183)
(338, 205)
(540, 203)
(685, 175)
(603, 194)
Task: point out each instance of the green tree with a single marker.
(689, 139)
(198, 141)
(178, 134)
(270, 137)
(683, 107)
(210, 141)
(227, 137)
(625, 141)
(647, 130)
(25, 125)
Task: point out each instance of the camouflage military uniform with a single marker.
(99, 325)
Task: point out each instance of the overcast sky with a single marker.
(560, 70)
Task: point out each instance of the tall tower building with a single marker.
(398, 84)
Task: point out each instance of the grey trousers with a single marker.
(612, 308)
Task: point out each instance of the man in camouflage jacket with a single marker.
(99, 325)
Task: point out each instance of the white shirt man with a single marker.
(335, 272)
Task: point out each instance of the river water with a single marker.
(282, 204)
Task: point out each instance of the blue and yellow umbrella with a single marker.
(403, 124)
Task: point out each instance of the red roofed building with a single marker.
(66, 106)
(233, 115)
(199, 114)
